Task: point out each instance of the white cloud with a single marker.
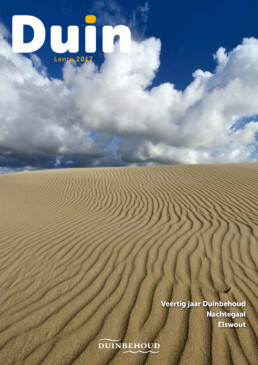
(110, 12)
(44, 116)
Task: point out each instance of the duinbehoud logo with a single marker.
(130, 347)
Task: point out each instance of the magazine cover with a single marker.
(128, 182)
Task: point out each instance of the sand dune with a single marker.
(87, 254)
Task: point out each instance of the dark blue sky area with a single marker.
(191, 31)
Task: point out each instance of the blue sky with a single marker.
(190, 30)
(190, 33)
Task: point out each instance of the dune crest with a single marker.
(89, 255)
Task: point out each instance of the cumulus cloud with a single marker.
(111, 115)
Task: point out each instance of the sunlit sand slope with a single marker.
(87, 254)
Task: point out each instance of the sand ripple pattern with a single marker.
(89, 254)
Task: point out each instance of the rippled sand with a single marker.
(87, 254)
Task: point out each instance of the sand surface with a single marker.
(87, 254)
